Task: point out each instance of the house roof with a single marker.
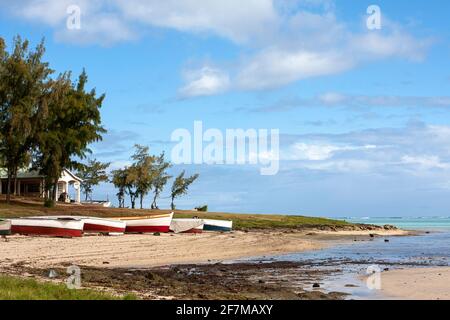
(34, 174)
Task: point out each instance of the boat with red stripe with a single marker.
(52, 227)
(94, 224)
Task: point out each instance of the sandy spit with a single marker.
(417, 284)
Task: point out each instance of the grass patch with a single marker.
(252, 221)
(14, 288)
(22, 208)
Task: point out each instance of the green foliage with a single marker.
(265, 221)
(43, 119)
(92, 173)
(70, 122)
(119, 179)
(180, 186)
(13, 288)
(160, 177)
(141, 174)
(24, 87)
(202, 208)
(48, 203)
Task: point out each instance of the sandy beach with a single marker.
(417, 284)
(150, 250)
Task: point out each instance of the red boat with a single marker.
(93, 224)
(53, 227)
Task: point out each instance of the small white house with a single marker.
(31, 184)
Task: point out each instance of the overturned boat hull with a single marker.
(52, 227)
(148, 224)
(187, 225)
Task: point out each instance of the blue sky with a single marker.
(363, 114)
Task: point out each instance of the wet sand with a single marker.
(417, 284)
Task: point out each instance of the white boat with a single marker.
(94, 224)
(105, 204)
(217, 225)
(5, 227)
(187, 225)
(148, 224)
(55, 227)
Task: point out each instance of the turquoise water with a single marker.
(352, 259)
(408, 223)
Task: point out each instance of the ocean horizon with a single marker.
(407, 223)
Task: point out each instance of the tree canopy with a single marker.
(92, 173)
(48, 121)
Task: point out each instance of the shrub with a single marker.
(48, 203)
(202, 208)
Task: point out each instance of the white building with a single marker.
(31, 184)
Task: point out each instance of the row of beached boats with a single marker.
(76, 226)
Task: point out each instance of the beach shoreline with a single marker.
(161, 267)
(167, 249)
(429, 283)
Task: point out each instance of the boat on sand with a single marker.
(187, 225)
(217, 225)
(53, 227)
(148, 224)
(94, 224)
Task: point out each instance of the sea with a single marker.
(430, 248)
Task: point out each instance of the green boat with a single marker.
(5, 227)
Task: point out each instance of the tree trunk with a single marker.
(133, 201)
(141, 200)
(54, 192)
(15, 180)
(8, 188)
(154, 206)
(172, 205)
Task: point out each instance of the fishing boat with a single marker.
(49, 226)
(95, 225)
(187, 225)
(5, 227)
(148, 224)
(217, 225)
(97, 203)
(100, 225)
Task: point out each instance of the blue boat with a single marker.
(217, 225)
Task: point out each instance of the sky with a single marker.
(362, 112)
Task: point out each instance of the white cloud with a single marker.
(204, 82)
(233, 19)
(425, 162)
(277, 67)
(288, 41)
(418, 149)
(334, 99)
(319, 152)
